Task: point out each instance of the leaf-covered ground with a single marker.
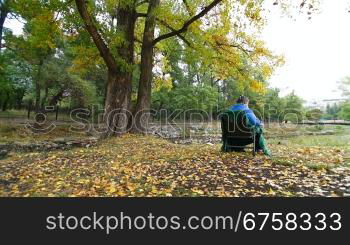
(149, 166)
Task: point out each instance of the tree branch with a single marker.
(98, 40)
(172, 29)
(142, 2)
(190, 12)
(141, 15)
(187, 23)
(246, 51)
(144, 15)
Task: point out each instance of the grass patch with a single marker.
(319, 166)
(13, 113)
(19, 133)
(283, 162)
(23, 114)
(6, 129)
(321, 140)
(314, 166)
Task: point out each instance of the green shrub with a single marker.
(319, 127)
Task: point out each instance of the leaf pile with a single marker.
(148, 166)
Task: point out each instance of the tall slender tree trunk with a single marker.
(3, 14)
(5, 101)
(19, 98)
(44, 100)
(37, 96)
(142, 109)
(38, 88)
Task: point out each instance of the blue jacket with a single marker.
(253, 120)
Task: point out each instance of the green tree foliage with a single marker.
(345, 111)
(345, 86)
(82, 92)
(41, 36)
(332, 112)
(201, 97)
(201, 54)
(40, 64)
(274, 105)
(14, 80)
(294, 110)
(314, 114)
(213, 35)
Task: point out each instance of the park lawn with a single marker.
(322, 151)
(135, 165)
(13, 114)
(23, 114)
(19, 133)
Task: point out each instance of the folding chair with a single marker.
(235, 131)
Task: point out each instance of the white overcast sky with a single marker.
(317, 51)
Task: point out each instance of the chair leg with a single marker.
(254, 153)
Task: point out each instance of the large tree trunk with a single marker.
(117, 104)
(119, 84)
(118, 91)
(142, 109)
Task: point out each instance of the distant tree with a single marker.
(274, 105)
(345, 111)
(332, 112)
(41, 36)
(294, 110)
(15, 80)
(58, 80)
(200, 98)
(345, 86)
(314, 114)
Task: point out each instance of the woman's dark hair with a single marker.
(242, 100)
